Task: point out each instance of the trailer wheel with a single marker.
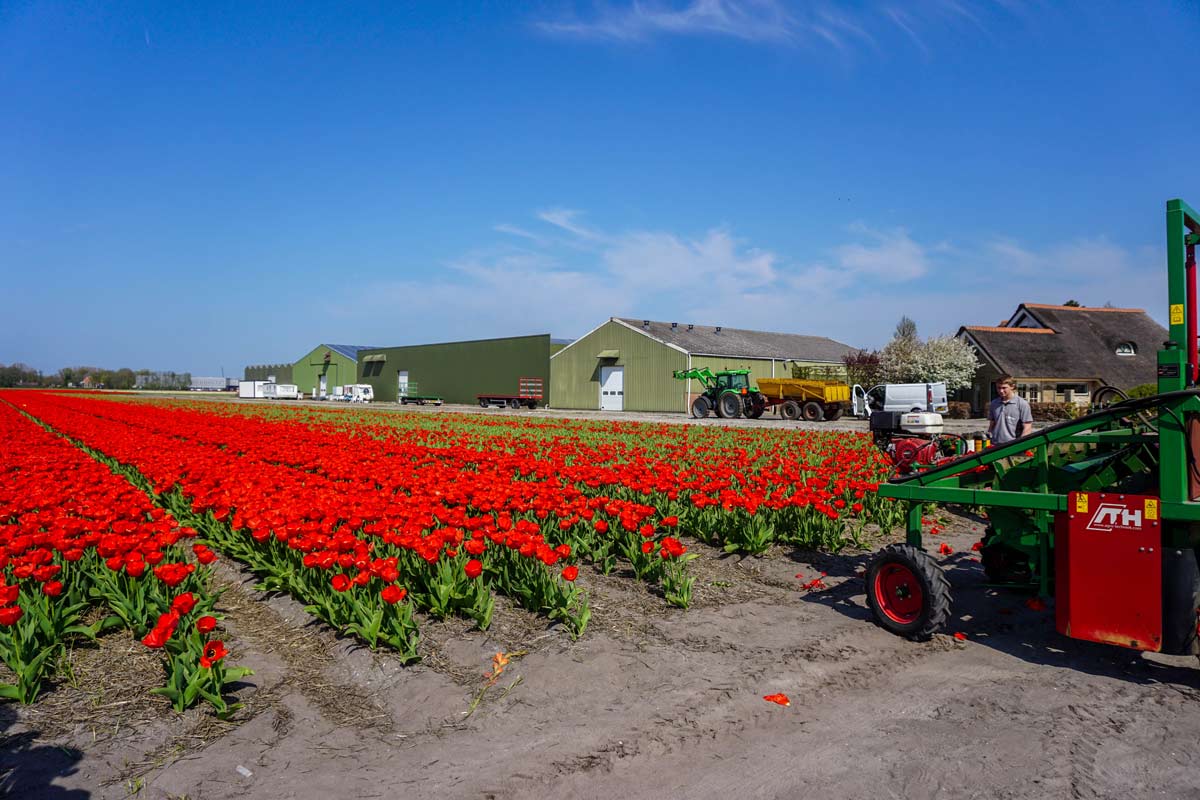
(907, 591)
(833, 413)
(791, 409)
(700, 407)
(729, 405)
(483, 403)
(812, 411)
(513, 403)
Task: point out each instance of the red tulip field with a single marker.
(589, 596)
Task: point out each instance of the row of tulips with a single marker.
(275, 518)
(744, 489)
(427, 496)
(81, 552)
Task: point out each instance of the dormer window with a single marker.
(1127, 349)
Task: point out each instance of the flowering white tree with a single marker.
(906, 359)
(948, 359)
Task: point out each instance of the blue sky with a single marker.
(202, 186)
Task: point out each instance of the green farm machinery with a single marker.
(727, 391)
(1101, 513)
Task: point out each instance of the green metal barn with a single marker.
(278, 373)
(457, 371)
(627, 364)
(326, 366)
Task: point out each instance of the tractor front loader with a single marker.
(1102, 513)
(728, 392)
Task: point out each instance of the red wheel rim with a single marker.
(898, 593)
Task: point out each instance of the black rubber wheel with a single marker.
(1004, 564)
(812, 411)
(483, 403)
(833, 413)
(1180, 599)
(729, 405)
(701, 407)
(907, 591)
(756, 404)
(790, 409)
(514, 403)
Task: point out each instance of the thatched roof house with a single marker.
(1064, 353)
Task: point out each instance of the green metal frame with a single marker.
(1137, 447)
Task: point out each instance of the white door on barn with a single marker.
(402, 385)
(324, 386)
(612, 388)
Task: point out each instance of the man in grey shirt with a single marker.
(1009, 416)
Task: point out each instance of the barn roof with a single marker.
(350, 351)
(718, 340)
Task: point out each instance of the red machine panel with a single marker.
(1108, 569)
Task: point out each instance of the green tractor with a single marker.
(727, 391)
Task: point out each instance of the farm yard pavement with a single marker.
(651, 702)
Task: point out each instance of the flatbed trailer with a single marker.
(530, 392)
(812, 400)
(412, 395)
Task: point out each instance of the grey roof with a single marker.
(350, 351)
(1076, 343)
(741, 343)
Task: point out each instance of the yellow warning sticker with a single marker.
(1081, 503)
(1151, 508)
(1177, 313)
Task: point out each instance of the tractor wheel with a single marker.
(812, 411)
(729, 405)
(907, 591)
(756, 404)
(791, 410)
(701, 407)
(833, 413)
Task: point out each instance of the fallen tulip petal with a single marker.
(781, 699)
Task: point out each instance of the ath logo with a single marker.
(1110, 515)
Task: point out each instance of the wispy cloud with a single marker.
(756, 20)
(566, 219)
(572, 276)
(842, 27)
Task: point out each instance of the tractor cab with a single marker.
(733, 381)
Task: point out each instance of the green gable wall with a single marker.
(458, 371)
(337, 369)
(648, 383)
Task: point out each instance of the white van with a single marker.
(901, 397)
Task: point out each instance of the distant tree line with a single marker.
(13, 375)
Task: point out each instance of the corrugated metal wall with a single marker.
(648, 384)
(338, 371)
(458, 371)
(262, 372)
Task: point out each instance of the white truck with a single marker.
(353, 393)
(902, 397)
